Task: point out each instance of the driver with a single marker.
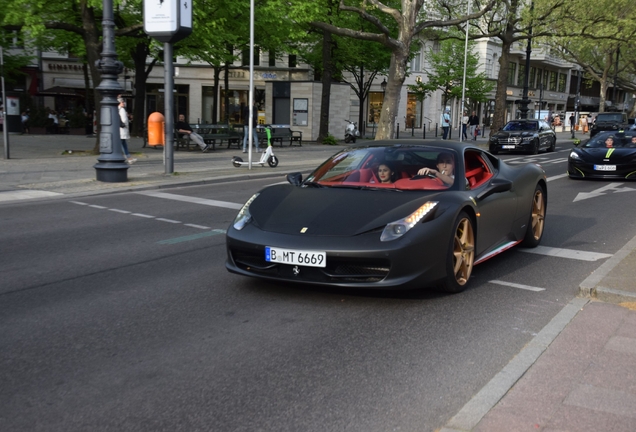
(609, 142)
(445, 169)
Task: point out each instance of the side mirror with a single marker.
(295, 178)
(496, 186)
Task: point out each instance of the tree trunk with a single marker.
(139, 55)
(499, 116)
(391, 103)
(327, 75)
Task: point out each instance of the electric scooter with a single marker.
(267, 157)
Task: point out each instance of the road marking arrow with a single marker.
(612, 187)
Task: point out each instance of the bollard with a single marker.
(397, 136)
(156, 135)
(423, 131)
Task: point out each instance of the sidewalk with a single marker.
(577, 374)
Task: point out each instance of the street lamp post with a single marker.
(112, 166)
(523, 103)
(383, 85)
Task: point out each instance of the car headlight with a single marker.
(400, 227)
(574, 155)
(244, 217)
(493, 139)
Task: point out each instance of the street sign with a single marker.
(168, 21)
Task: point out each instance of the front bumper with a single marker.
(581, 169)
(415, 261)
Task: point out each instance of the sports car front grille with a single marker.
(338, 270)
(510, 140)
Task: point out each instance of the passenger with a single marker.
(445, 169)
(609, 142)
(633, 143)
(386, 173)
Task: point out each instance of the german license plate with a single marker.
(508, 146)
(295, 257)
(605, 167)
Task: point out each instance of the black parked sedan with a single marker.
(610, 155)
(528, 136)
(394, 214)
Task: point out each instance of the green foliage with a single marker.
(329, 140)
(38, 117)
(76, 118)
(447, 73)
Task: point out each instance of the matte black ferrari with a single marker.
(392, 214)
(610, 155)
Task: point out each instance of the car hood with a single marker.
(287, 209)
(618, 155)
(514, 134)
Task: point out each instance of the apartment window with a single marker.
(292, 60)
(532, 77)
(522, 75)
(562, 80)
(553, 81)
(512, 71)
(495, 61)
(416, 62)
(489, 68)
(272, 58)
(546, 79)
(246, 56)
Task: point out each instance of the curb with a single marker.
(480, 404)
(591, 287)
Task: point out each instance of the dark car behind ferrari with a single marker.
(609, 121)
(610, 155)
(528, 136)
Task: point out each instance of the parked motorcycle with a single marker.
(351, 131)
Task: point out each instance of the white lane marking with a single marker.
(567, 253)
(601, 191)
(25, 194)
(193, 200)
(515, 285)
(169, 220)
(556, 177)
(203, 227)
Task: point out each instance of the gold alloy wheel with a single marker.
(463, 251)
(538, 214)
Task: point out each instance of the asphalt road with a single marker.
(117, 313)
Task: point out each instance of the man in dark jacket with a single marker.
(184, 128)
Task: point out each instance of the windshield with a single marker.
(388, 167)
(612, 139)
(521, 126)
(609, 118)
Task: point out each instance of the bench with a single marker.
(282, 133)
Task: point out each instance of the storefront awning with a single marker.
(60, 91)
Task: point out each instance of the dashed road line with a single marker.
(168, 220)
(516, 285)
(119, 211)
(566, 253)
(198, 226)
(97, 206)
(192, 237)
(194, 200)
(142, 215)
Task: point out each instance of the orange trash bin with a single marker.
(156, 125)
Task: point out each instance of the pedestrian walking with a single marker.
(572, 123)
(465, 125)
(246, 120)
(473, 122)
(25, 122)
(445, 120)
(124, 132)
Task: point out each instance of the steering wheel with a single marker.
(422, 176)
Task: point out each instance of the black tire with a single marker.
(272, 161)
(536, 221)
(461, 255)
(535, 147)
(493, 149)
(236, 161)
(552, 145)
(347, 138)
(353, 138)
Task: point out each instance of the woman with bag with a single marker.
(124, 133)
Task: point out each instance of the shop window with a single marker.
(413, 112)
(375, 106)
